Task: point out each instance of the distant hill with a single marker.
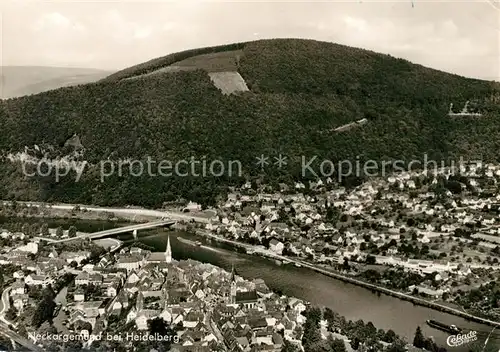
(287, 96)
(18, 81)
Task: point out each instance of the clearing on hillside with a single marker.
(228, 82)
(215, 62)
(222, 67)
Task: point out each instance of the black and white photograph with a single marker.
(250, 176)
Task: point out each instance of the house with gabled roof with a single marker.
(141, 320)
(112, 289)
(192, 319)
(130, 262)
(79, 295)
(17, 288)
(33, 280)
(95, 279)
(120, 302)
(82, 278)
(276, 246)
(19, 301)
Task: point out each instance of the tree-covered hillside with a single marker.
(300, 91)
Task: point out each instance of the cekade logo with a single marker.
(459, 340)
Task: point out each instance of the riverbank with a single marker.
(403, 296)
(415, 300)
(134, 214)
(42, 211)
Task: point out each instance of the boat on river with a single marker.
(189, 242)
(452, 329)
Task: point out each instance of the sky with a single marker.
(461, 37)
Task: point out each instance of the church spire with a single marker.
(233, 276)
(168, 252)
(232, 298)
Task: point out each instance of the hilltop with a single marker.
(17, 81)
(236, 102)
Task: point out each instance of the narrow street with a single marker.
(4, 305)
(213, 328)
(61, 316)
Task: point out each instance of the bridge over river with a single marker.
(111, 232)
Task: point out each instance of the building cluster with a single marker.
(327, 224)
(34, 270)
(443, 227)
(205, 306)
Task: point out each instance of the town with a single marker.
(78, 296)
(432, 236)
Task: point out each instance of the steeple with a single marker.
(233, 276)
(168, 252)
(232, 298)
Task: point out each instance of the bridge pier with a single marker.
(135, 234)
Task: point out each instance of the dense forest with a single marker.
(300, 91)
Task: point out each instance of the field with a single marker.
(222, 68)
(214, 62)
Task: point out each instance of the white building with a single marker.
(30, 247)
(276, 246)
(192, 206)
(130, 262)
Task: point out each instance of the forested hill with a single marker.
(300, 91)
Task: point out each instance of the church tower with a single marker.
(168, 252)
(233, 286)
